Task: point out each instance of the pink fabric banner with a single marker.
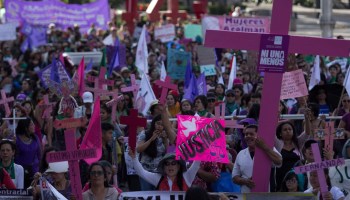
(201, 139)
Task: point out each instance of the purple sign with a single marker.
(61, 14)
(273, 53)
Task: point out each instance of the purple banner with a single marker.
(62, 14)
(273, 53)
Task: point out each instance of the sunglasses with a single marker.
(96, 173)
(346, 101)
(173, 163)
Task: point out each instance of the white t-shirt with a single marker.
(336, 193)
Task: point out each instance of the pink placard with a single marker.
(293, 85)
(201, 139)
(71, 155)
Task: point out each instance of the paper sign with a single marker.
(206, 56)
(71, 155)
(177, 62)
(319, 166)
(192, 31)
(165, 33)
(208, 70)
(201, 139)
(8, 31)
(340, 177)
(273, 53)
(293, 85)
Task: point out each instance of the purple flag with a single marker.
(202, 85)
(89, 66)
(188, 74)
(35, 36)
(54, 76)
(192, 91)
(114, 61)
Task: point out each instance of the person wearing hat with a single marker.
(172, 174)
(155, 109)
(87, 108)
(211, 102)
(230, 105)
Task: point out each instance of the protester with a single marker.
(290, 183)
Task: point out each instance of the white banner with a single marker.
(8, 31)
(165, 33)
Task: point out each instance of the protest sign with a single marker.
(165, 33)
(340, 177)
(61, 14)
(293, 85)
(177, 62)
(273, 53)
(192, 31)
(201, 139)
(8, 31)
(15, 194)
(45, 74)
(236, 24)
(208, 70)
(48, 192)
(206, 56)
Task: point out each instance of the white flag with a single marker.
(142, 52)
(346, 82)
(109, 40)
(145, 96)
(316, 73)
(48, 191)
(232, 73)
(162, 72)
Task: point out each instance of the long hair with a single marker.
(291, 174)
(279, 133)
(43, 165)
(106, 185)
(22, 128)
(151, 150)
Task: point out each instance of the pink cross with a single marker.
(71, 147)
(133, 121)
(165, 85)
(101, 79)
(281, 12)
(47, 107)
(319, 165)
(4, 101)
(327, 135)
(134, 88)
(220, 115)
(113, 103)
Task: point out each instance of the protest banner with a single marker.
(8, 31)
(15, 194)
(192, 31)
(177, 62)
(45, 74)
(76, 57)
(165, 33)
(48, 192)
(208, 70)
(293, 85)
(61, 14)
(206, 56)
(201, 139)
(340, 177)
(236, 24)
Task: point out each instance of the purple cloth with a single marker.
(346, 119)
(28, 154)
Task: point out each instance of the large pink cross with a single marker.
(47, 107)
(101, 79)
(4, 101)
(133, 121)
(319, 165)
(281, 12)
(328, 135)
(113, 103)
(71, 152)
(134, 88)
(220, 115)
(173, 11)
(166, 85)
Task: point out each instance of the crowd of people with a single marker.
(26, 142)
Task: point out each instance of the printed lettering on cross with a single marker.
(70, 155)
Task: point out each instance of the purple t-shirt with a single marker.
(28, 154)
(346, 119)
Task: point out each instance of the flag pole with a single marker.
(338, 107)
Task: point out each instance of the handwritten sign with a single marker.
(165, 33)
(201, 139)
(293, 85)
(208, 70)
(71, 155)
(340, 177)
(273, 53)
(177, 62)
(192, 31)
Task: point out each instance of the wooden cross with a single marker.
(328, 135)
(47, 107)
(72, 154)
(173, 11)
(113, 103)
(133, 121)
(14, 120)
(134, 88)
(130, 14)
(4, 101)
(281, 12)
(166, 85)
(101, 79)
(318, 166)
(220, 115)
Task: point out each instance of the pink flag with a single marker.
(80, 73)
(93, 135)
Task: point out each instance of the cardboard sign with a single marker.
(8, 31)
(192, 31)
(165, 33)
(177, 62)
(71, 155)
(201, 139)
(206, 56)
(273, 53)
(293, 85)
(208, 70)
